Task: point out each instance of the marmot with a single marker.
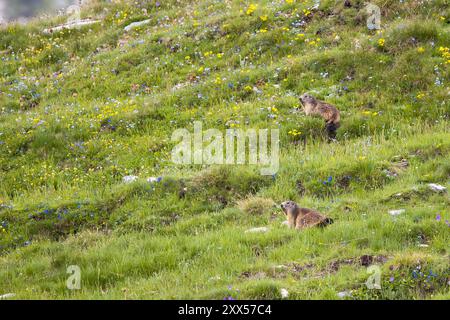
(300, 218)
(325, 110)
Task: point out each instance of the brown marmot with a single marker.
(300, 218)
(328, 112)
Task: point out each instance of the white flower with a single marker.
(284, 293)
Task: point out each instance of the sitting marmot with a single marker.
(325, 110)
(300, 218)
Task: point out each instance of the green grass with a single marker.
(81, 109)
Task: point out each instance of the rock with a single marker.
(396, 212)
(71, 25)
(129, 179)
(437, 187)
(344, 294)
(134, 25)
(284, 293)
(257, 230)
(7, 296)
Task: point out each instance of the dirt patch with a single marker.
(310, 270)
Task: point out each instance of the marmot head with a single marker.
(288, 206)
(307, 98)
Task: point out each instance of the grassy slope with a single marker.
(79, 112)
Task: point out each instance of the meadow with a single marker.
(80, 109)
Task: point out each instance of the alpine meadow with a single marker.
(93, 205)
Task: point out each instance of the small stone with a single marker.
(396, 212)
(129, 179)
(70, 25)
(257, 230)
(134, 25)
(437, 187)
(7, 296)
(344, 294)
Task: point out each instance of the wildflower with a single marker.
(420, 95)
(438, 217)
(284, 293)
(154, 179)
(187, 58)
(381, 42)
(391, 279)
(251, 8)
(263, 30)
(328, 181)
(219, 55)
(421, 50)
(289, 1)
(263, 18)
(248, 88)
(294, 132)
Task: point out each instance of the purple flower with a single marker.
(391, 279)
(438, 217)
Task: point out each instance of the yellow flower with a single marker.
(289, 1)
(251, 8)
(420, 95)
(262, 30)
(219, 55)
(420, 49)
(263, 18)
(381, 42)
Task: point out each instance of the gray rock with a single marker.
(136, 24)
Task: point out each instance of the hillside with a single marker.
(81, 109)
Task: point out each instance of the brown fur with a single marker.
(300, 218)
(328, 112)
